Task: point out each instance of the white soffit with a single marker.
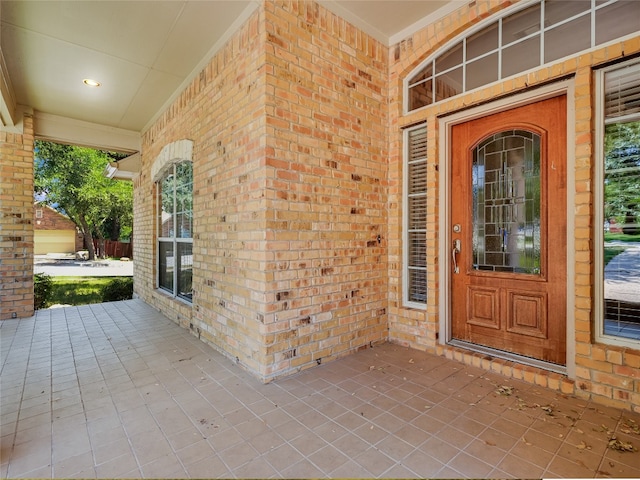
(76, 132)
(248, 8)
(125, 169)
(7, 100)
(145, 53)
(389, 22)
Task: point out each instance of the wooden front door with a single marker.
(508, 221)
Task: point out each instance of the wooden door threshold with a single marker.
(512, 357)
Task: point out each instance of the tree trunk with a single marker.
(101, 251)
(115, 230)
(88, 238)
(630, 226)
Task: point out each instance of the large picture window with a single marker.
(415, 217)
(175, 227)
(618, 225)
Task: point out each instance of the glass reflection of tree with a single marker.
(622, 175)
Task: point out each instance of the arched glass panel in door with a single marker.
(506, 203)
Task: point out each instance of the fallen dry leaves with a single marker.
(619, 445)
(504, 390)
(629, 426)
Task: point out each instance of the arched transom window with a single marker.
(535, 35)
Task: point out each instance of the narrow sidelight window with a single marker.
(415, 217)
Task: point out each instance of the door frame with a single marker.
(445, 124)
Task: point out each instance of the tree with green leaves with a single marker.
(71, 180)
(622, 175)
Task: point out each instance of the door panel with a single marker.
(508, 206)
(527, 314)
(483, 306)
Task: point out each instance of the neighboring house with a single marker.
(54, 232)
(445, 192)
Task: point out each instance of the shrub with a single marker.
(118, 289)
(42, 284)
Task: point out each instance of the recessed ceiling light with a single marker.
(91, 83)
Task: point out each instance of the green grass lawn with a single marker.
(621, 237)
(610, 252)
(77, 290)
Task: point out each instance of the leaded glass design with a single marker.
(506, 203)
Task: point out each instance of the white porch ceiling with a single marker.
(143, 52)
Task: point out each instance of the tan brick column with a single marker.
(16, 222)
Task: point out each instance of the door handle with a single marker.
(454, 254)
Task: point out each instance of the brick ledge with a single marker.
(526, 373)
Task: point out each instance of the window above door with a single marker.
(531, 36)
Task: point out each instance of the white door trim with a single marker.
(444, 210)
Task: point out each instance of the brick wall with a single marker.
(606, 373)
(50, 219)
(288, 124)
(326, 188)
(16, 224)
(222, 112)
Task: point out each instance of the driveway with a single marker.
(67, 266)
(622, 274)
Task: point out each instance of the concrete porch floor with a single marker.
(118, 390)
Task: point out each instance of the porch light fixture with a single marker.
(91, 83)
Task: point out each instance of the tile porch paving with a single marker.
(118, 390)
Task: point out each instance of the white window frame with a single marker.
(598, 231)
(406, 302)
(175, 240)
